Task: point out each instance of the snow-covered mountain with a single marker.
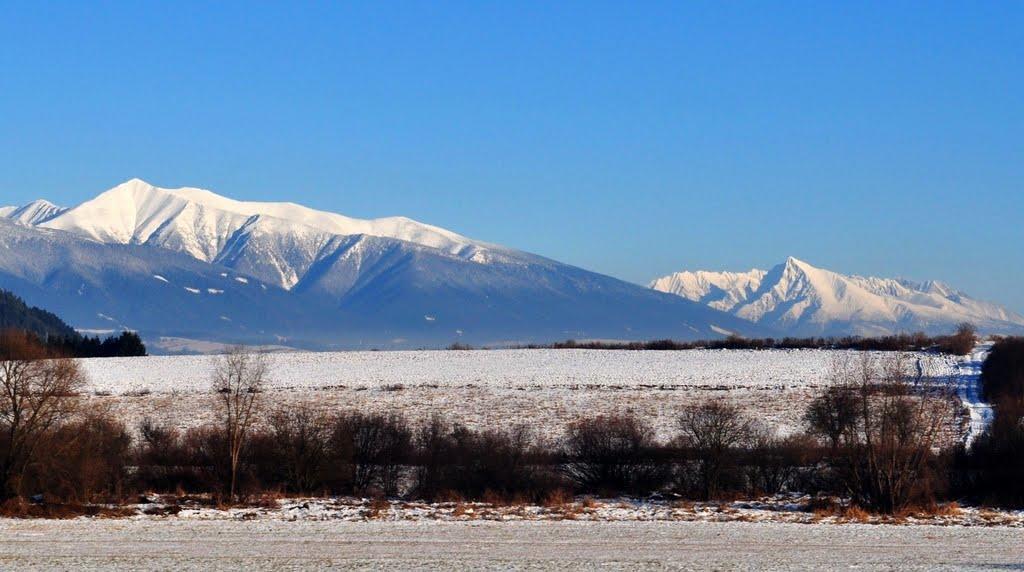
(799, 299)
(277, 242)
(35, 212)
(189, 263)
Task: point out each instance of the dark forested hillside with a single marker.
(15, 314)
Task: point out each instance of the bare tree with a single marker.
(239, 377)
(834, 412)
(713, 432)
(38, 393)
(882, 454)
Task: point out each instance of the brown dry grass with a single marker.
(557, 498)
(378, 508)
(20, 508)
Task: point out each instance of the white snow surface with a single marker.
(969, 389)
(800, 299)
(545, 389)
(512, 369)
(187, 543)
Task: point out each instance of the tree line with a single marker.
(958, 343)
(873, 436)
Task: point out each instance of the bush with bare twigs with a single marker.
(882, 431)
(614, 454)
(37, 395)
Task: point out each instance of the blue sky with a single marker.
(629, 138)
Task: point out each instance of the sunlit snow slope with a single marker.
(799, 299)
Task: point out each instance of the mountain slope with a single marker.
(800, 299)
(16, 314)
(187, 263)
(276, 241)
(33, 213)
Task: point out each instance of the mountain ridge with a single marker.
(800, 299)
(187, 263)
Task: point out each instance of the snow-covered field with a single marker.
(187, 544)
(545, 388)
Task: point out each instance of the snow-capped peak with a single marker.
(33, 213)
(127, 212)
(720, 290)
(277, 242)
(801, 299)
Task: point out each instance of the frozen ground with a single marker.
(545, 388)
(175, 544)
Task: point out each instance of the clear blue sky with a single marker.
(631, 138)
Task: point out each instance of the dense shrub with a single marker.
(194, 461)
(774, 464)
(713, 435)
(1002, 374)
(453, 461)
(993, 470)
(82, 461)
(368, 452)
(614, 454)
(298, 444)
(960, 343)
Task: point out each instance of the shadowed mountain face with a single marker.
(801, 300)
(188, 263)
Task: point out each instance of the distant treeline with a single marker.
(48, 330)
(959, 343)
(125, 344)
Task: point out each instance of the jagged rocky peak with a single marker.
(798, 298)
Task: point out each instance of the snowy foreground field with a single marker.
(254, 546)
(544, 388)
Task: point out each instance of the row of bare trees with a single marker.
(879, 433)
(874, 435)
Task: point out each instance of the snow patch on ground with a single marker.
(970, 391)
(784, 508)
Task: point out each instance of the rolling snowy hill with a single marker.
(799, 299)
(187, 263)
